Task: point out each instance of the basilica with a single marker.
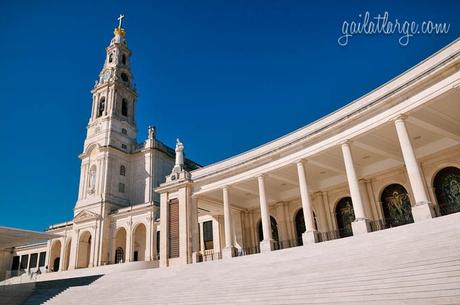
(387, 159)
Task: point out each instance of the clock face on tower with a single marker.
(106, 75)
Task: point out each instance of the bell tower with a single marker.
(105, 178)
(112, 120)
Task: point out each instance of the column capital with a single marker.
(400, 118)
(345, 142)
(301, 161)
(260, 176)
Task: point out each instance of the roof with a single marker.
(11, 237)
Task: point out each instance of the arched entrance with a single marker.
(84, 250)
(119, 255)
(274, 226)
(447, 188)
(55, 255)
(344, 215)
(139, 237)
(300, 225)
(396, 206)
(120, 246)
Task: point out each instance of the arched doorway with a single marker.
(84, 250)
(447, 188)
(274, 226)
(120, 246)
(344, 215)
(119, 255)
(55, 255)
(66, 258)
(300, 225)
(396, 206)
(139, 237)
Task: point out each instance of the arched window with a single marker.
(122, 170)
(396, 206)
(101, 107)
(124, 77)
(123, 59)
(345, 215)
(447, 188)
(124, 107)
(110, 57)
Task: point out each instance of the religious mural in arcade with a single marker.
(447, 188)
(345, 216)
(396, 206)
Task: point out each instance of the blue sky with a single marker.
(224, 76)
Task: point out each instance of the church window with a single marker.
(123, 59)
(122, 170)
(101, 108)
(110, 57)
(123, 146)
(124, 131)
(124, 107)
(121, 187)
(124, 77)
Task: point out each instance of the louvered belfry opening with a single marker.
(173, 228)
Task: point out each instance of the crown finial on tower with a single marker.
(120, 31)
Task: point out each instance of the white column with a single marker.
(422, 209)
(309, 236)
(267, 243)
(129, 242)
(61, 254)
(229, 249)
(195, 231)
(361, 223)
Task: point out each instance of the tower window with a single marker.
(121, 187)
(124, 131)
(124, 107)
(123, 59)
(101, 108)
(124, 77)
(122, 170)
(110, 57)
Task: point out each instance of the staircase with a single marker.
(413, 264)
(34, 293)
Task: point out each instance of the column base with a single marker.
(196, 257)
(422, 211)
(163, 262)
(228, 252)
(360, 226)
(267, 245)
(309, 237)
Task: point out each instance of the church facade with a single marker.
(388, 159)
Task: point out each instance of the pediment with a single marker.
(85, 216)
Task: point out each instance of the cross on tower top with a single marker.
(120, 20)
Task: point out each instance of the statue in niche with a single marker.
(92, 180)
